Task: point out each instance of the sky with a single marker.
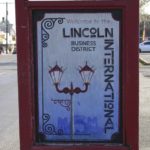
(11, 11)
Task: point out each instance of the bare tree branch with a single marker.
(143, 16)
(143, 3)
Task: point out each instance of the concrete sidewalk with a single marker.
(144, 58)
(144, 114)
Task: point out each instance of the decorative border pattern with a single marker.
(50, 129)
(48, 24)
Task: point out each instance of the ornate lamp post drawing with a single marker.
(86, 73)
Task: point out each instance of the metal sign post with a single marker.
(78, 83)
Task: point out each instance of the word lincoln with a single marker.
(87, 32)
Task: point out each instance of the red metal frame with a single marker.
(129, 71)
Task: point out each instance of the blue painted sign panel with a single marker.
(78, 76)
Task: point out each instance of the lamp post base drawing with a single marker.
(71, 91)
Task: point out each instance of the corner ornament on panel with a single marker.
(48, 24)
(49, 129)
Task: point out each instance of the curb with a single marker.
(144, 62)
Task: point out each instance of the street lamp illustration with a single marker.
(86, 72)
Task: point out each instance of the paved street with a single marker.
(9, 105)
